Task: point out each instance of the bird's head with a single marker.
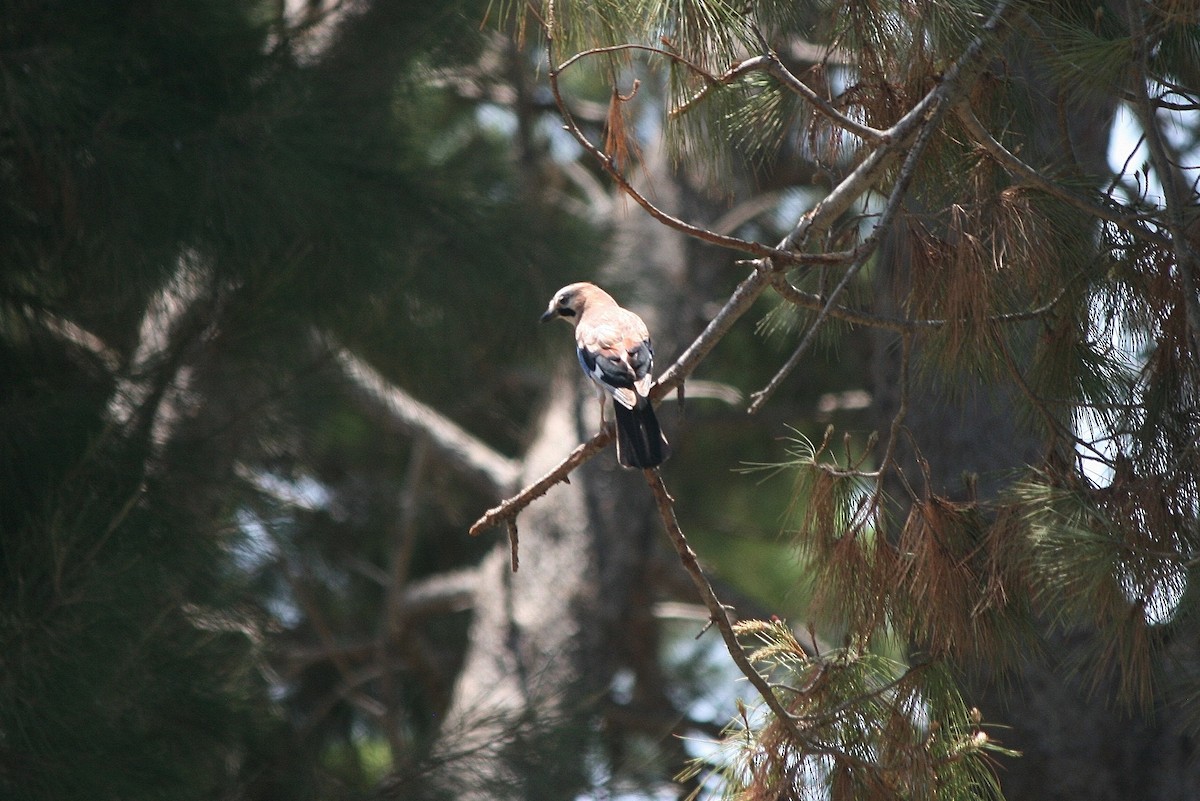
(569, 302)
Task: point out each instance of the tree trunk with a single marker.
(540, 654)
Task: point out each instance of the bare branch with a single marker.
(738, 69)
(776, 68)
(508, 509)
(609, 165)
(708, 76)
(716, 610)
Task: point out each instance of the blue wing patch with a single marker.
(612, 372)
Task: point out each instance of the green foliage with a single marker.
(1114, 558)
(869, 728)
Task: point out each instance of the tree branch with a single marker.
(508, 509)
(716, 610)
(488, 469)
(776, 68)
(1173, 198)
(739, 303)
(1133, 223)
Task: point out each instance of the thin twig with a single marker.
(609, 165)
(901, 325)
(716, 610)
(514, 560)
(889, 450)
(888, 461)
(1053, 424)
(1173, 200)
(1133, 223)
(727, 77)
(708, 76)
(858, 699)
(776, 68)
(507, 510)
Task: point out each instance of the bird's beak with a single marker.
(549, 315)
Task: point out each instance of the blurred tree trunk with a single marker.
(540, 652)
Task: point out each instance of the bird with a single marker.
(614, 350)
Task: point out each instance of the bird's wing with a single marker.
(614, 350)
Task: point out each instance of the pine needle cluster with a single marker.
(860, 726)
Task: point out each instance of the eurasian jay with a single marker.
(614, 350)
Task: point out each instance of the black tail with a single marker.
(640, 442)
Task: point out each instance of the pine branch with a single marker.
(717, 612)
(915, 127)
(899, 191)
(1132, 222)
(1173, 196)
